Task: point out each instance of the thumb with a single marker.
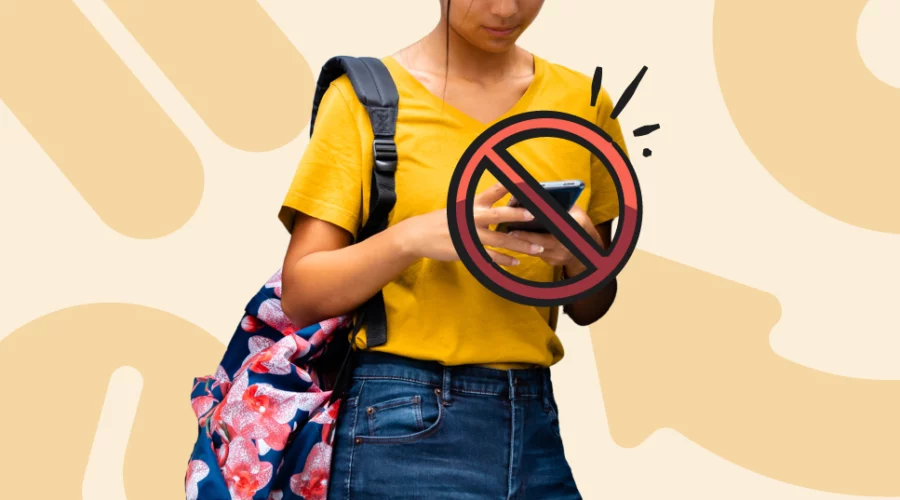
(490, 195)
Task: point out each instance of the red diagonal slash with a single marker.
(489, 151)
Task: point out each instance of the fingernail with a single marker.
(528, 215)
(515, 262)
(514, 234)
(535, 248)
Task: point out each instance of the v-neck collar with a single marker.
(421, 90)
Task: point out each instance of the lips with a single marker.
(500, 31)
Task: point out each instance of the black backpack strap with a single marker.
(375, 89)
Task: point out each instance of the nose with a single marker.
(505, 8)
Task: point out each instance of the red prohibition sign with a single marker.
(489, 151)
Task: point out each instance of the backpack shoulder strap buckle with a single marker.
(384, 151)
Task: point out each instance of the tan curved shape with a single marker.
(62, 363)
(95, 120)
(231, 62)
(688, 350)
(806, 105)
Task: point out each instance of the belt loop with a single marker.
(445, 387)
(513, 382)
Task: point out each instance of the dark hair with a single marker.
(446, 54)
(447, 51)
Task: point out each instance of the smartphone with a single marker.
(564, 192)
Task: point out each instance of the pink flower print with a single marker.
(244, 473)
(327, 417)
(202, 404)
(260, 358)
(315, 380)
(328, 414)
(267, 356)
(270, 312)
(268, 416)
(264, 413)
(320, 338)
(222, 454)
(312, 482)
(276, 495)
(303, 374)
(197, 471)
(251, 323)
(275, 282)
(222, 379)
(331, 324)
(327, 328)
(302, 345)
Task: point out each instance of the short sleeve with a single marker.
(604, 202)
(327, 184)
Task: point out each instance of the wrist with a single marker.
(406, 241)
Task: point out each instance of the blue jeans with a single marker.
(414, 429)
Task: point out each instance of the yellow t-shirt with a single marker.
(437, 310)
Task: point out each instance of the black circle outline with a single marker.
(502, 148)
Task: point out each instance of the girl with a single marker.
(458, 403)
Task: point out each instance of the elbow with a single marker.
(584, 320)
(587, 319)
(589, 312)
(306, 305)
(580, 321)
(305, 308)
(297, 303)
(289, 311)
(296, 307)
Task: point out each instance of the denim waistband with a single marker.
(467, 379)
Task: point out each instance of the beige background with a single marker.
(127, 178)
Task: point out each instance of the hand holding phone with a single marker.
(428, 235)
(564, 192)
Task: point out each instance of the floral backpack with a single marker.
(267, 416)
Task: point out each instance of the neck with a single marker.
(468, 62)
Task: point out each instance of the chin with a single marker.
(495, 45)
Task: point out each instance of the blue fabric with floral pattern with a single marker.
(264, 421)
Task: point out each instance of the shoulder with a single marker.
(562, 73)
(339, 106)
(340, 89)
(572, 88)
(344, 88)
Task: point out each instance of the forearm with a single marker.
(589, 309)
(330, 283)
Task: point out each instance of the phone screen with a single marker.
(564, 192)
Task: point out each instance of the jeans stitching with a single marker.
(554, 416)
(483, 393)
(410, 437)
(512, 449)
(411, 400)
(387, 405)
(353, 440)
(387, 377)
(429, 384)
(420, 422)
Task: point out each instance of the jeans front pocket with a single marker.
(396, 416)
(392, 411)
